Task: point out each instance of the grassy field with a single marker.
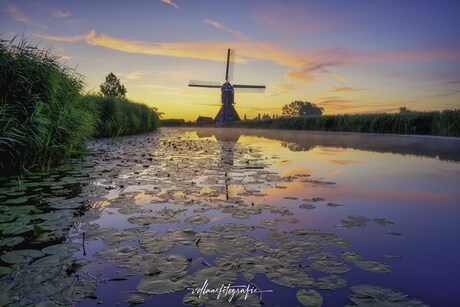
(444, 123)
(45, 118)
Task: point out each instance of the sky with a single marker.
(355, 56)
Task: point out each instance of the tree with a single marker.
(301, 108)
(113, 87)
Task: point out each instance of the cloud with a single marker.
(60, 14)
(346, 89)
(284, 87)
(304, 65)
(170, 2)
(134, 75)
(307, 72)
(218, 25)
(19, 16)
(67, 39)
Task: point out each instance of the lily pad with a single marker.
(367, 295)
(11, 241)
(135, 299)
(118, 252)
(309, 298)
(307, 206)
(5, 271)
(197, 219)
(330, 282)
(155, 219)
(232, 227)
(328, 266)
(164, 284)
(22, 256)
(157, 244)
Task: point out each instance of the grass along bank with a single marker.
(45, 118)
(443, 123)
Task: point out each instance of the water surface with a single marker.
(279, 211)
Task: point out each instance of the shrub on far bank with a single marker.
(444, 123)
(118, 116)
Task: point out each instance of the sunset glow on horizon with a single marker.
(347, 57)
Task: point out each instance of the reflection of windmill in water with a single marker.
(227, 112)
(228, 141)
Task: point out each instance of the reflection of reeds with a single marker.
(43, 116)
(446, 123)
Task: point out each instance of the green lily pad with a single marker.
(309, 298)
(84, 286)
(368, 265)
(164, 283)
(328, 266)
(382, 221)
(197, 219)
(51, 260)
(292, 277)
(155, 219)
(307, 206)
(214, 277)
(354, 221)
(157, 244)
(22, 256)
(330, 282)
(232, 227)
(5, 271)
(367, 295)
(118, 252)
(11, 241)
(61, 249)
(135, 299)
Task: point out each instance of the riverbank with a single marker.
(439, 123)
(45, 118)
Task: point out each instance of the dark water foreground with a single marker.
(288, 218)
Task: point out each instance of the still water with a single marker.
(302, 217)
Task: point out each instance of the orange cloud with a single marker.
(305, 64)
(170, 2)
(67, 39)
(18, 15)
(284, 87)
(346, 89)
(218, 25)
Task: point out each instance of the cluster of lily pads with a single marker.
(173, 188)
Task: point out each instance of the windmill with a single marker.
(227, 112)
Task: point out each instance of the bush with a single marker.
(42, 118)
(118, 116)
(445, 123)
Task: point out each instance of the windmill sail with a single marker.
(227, 112)
(196, 83)
(230, 64)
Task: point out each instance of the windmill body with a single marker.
(227, 112)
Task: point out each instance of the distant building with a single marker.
(204, 121)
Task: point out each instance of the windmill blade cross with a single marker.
(243, 88)
(230, 64)
(209, 84)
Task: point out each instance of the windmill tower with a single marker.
(227, 112)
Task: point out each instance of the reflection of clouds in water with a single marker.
(450, 171)
(296, 171)
(343, 161)
(333, 173)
